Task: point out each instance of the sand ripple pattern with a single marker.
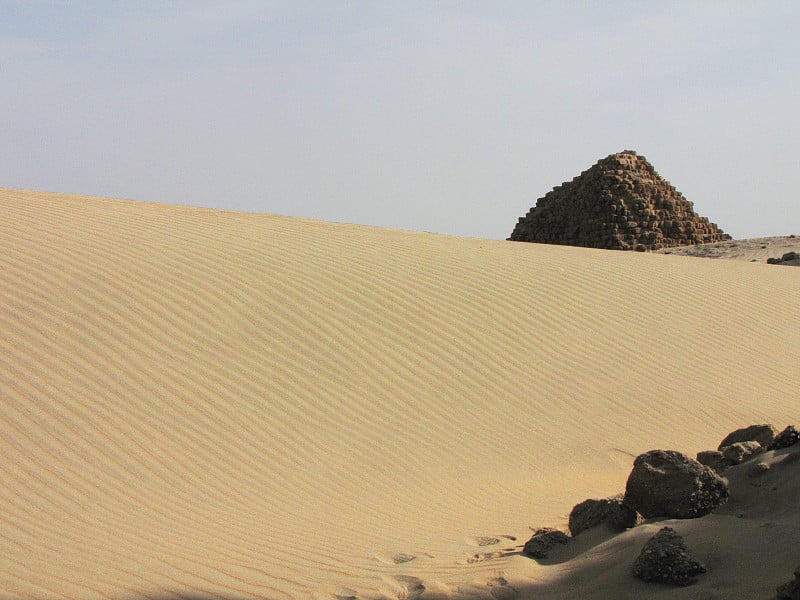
(204, 402)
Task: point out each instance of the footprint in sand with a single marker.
(407, 587)
(488, 540)
(481, 557)
(499, 589)
(400, 558)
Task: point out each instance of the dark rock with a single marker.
(739, 452)
(543, 541)
(788, 591)
(715, 460)
(591, 513)
(665, 483)
(791, 589)
(665, 559)
(763, 434)
(786, 438)
(789, 258)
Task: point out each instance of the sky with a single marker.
(447, 117)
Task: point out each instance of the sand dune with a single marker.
(209, 403)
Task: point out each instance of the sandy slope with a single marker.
(207, 402)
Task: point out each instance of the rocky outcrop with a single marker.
(591, 513)
(734, 454)
(620, 203)
(669, 484)
(543, 541)
(790, 259)
(665, 559)
(666, 483)
(763, 434)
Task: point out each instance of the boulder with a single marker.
(786, 438)
(739, 452)
(666, 483)
(763, 434)
(665, 559)
(591, 513)
(715, 460)
(543, 541)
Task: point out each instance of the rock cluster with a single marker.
(728, 456)
(791, 259)
(620, 203)
(668, 484)
(763, 434)
(665, 559)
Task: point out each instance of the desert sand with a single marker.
(201, 403)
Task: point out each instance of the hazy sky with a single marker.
(449, 117)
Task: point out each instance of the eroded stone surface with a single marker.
(715, 460)
(786, 438)
(543, 541)
(739, 452)
(665, 559)
(666, 483)
(591, 513)
(620, 203)
(763, 434)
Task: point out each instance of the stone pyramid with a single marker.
(620, 203)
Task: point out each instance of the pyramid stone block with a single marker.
(620, 203)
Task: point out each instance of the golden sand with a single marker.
(196, 401)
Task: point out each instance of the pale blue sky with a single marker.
(449, 117)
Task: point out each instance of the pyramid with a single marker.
(620, 203)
